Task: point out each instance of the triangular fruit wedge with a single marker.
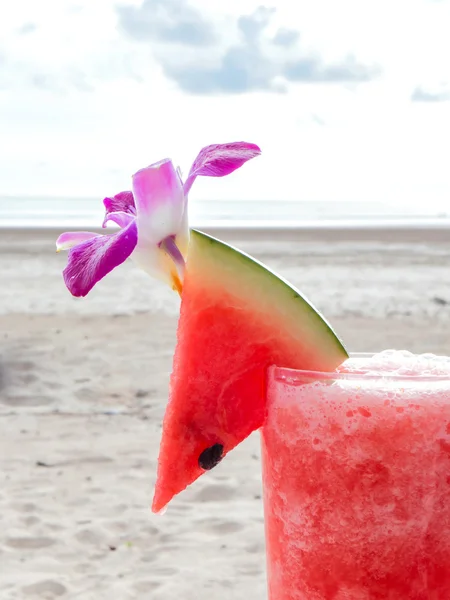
(237, 318)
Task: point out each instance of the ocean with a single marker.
(45, 212)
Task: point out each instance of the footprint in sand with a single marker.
(24, 507)
(146, 586)
(85, 460)
(164, 571)
(151, 557)
(90, 536)
(256, 548)
(30, 521)
(28, 378)
(24, 365)
(27, 401)
(54, 385)
(224, 527)
(45, 589)
(215, 493)
(119, 526)
(30, 543)
(2, 378)
(250, 570)
(83, 568)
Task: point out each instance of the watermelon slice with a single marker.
(237, 318)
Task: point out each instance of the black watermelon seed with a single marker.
(210, 457)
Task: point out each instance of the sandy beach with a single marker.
(83, 385)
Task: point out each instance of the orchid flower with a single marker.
(153, 221)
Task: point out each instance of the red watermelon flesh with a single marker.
(237, 318)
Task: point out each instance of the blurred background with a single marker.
(350, 104)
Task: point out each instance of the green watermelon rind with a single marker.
(276, 288)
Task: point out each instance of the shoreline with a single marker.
(434, 231)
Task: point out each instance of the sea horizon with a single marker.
(44, 212)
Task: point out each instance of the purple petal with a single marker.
(73, 238)
(218, 160)
(122, 219)
(121, 202)
(117, 207)
(160, 202)
(91, 260)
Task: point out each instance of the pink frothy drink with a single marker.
(356, 469)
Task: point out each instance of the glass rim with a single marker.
(296, 374)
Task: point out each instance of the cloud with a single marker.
(259, 62)
(202, 54)
(43, 81)
(314, 71)
(421, 94)
(252, 26)
(242, 69)
(172, 21)
(27, 28)
(286, 37)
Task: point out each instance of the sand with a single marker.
(83, 385)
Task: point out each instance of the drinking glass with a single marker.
(356, 476)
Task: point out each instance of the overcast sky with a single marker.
(348, 100)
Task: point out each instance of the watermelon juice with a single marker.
(356, 472)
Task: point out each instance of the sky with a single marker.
(348, 100)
